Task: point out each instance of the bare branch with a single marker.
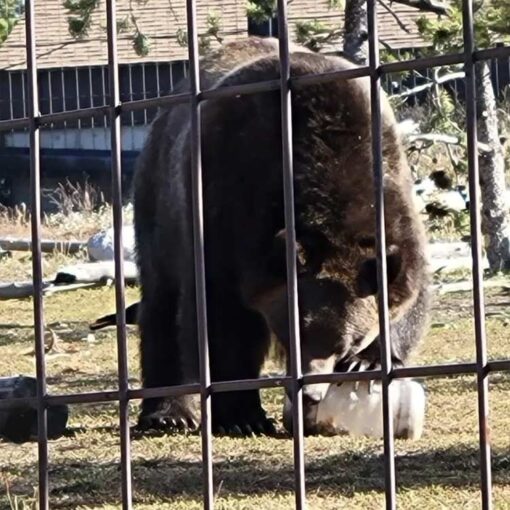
(172, 10)
(425, 5)
(483, 148)
(394, 15)
(434, 138)
(439, 81)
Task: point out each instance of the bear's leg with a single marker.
(239, 342)
(161, 364)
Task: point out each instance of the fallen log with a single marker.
(47, 245)
(447, 265)
(19, 290)
(78, 276)
(94, 272)
(22, 290)
(467, 286)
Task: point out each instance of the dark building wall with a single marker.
(66, 89)
(76, 88)
(58, 166)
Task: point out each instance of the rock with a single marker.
(100, 245)
(19, 423)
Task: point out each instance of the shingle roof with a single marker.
(161, 19)
(395, 34)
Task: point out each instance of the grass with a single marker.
(80, 211)
(441, 470)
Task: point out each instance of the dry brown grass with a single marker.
(441, 470)
(81, 211)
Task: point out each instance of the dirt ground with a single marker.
(439, 471)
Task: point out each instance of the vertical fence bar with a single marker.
(198, 248)
(78, 101)
(50, 95)
(158, 88)
(37, 276)
(130, 74)
(23, 91)
(382, 281)
(144, 92)
(11, 102)
(103, 91)
(50, 106)
(476, 251)
(63, 85)
(91, 89)
(122, 355)
(23, 94)
(290, 230)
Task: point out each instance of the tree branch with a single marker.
(425, 5)
(432, 138)
(394, 15)
(439, 81)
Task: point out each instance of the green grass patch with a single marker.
(441, 470)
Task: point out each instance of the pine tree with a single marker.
(492, 24)
(10, 11)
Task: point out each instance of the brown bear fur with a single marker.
(244, 241)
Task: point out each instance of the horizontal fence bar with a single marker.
(106, 396)
(421, 63)
(497, 53)
(315, 79)
(7, 125)
(251, 384)
(235, 90)
(264, 86)
(155, 102)
(72, 115)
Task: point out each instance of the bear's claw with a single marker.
(173, 415)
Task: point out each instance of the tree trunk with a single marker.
(495, 216)
(356, 31)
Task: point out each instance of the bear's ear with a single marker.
(312, 249)
(367, 275)
(278, 258)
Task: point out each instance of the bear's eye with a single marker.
(367, 284)
(366, 242)
(316, 250)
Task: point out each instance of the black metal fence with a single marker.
(295, 381)
(77, 88)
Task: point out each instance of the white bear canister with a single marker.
(356, 408)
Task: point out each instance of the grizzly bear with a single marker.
(244, 235)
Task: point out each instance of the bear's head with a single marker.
(337, 299)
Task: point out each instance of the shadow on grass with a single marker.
(73, 331)
(83, 483)
(84, 381)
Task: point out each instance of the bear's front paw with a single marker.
(261, 426)
(239, 418)
(173, 414)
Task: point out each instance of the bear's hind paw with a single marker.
(173, 415)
